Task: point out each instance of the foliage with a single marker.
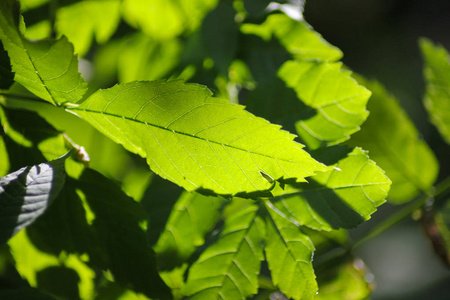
(259, 202)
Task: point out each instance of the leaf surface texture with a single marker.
(47, 68)
(195, 140)
(229, 268)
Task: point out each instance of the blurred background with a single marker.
(379, 39)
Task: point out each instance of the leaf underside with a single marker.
(197, 141)
(26, 193)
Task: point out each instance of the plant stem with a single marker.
(441, 188)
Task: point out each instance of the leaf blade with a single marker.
(195, 140)
(47, 68)
(26, 194)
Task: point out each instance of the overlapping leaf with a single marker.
(394, 144)
(296, 36)
(47, 68)
(340, 198)
(195, 140)
(26, 193)
(289, 254)
(337, 104)
(229, 268)
(437, 75)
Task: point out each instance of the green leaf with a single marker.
(195, 140)
(394, 144)
(26, 193)
(229, 268)
(47, 68)
(121, 239)
(345, 281)
(341, 198)
(6, 74)
(297, 37)
(83, 20)
(437, 76)
(163, 19)
(336, 103)
(289, 254)
(192, 217)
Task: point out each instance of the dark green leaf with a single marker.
(24, 294)
(123, 242)
(394, 144)
(25, 195)
(437, 75)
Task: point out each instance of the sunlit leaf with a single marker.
(340, 198)
(336, 103)
(195, 140)
(289, 253)
(83, 20)
(296, 36)
(229, 268)
(394, 144)
(26, 193)
(437, 75)
(47, 68)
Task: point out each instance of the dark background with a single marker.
(379, 39)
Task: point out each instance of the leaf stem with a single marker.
(441, 188)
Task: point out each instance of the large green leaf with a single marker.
(289, 253)
(296, 36)
(437, 75)
(83, 20)
(340, 198)
(336, 103)
(195, 140)
(229, 268)
(394, 144)
(47, 68)
(26, 193)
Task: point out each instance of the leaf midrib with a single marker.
(184, 133)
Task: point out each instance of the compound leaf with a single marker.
(289, 254)
(229, 268)
(337, 104)
(26, 193)
(437, 75)
(341, 198)
(47, 68)
(195, 140)
(394, 144)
